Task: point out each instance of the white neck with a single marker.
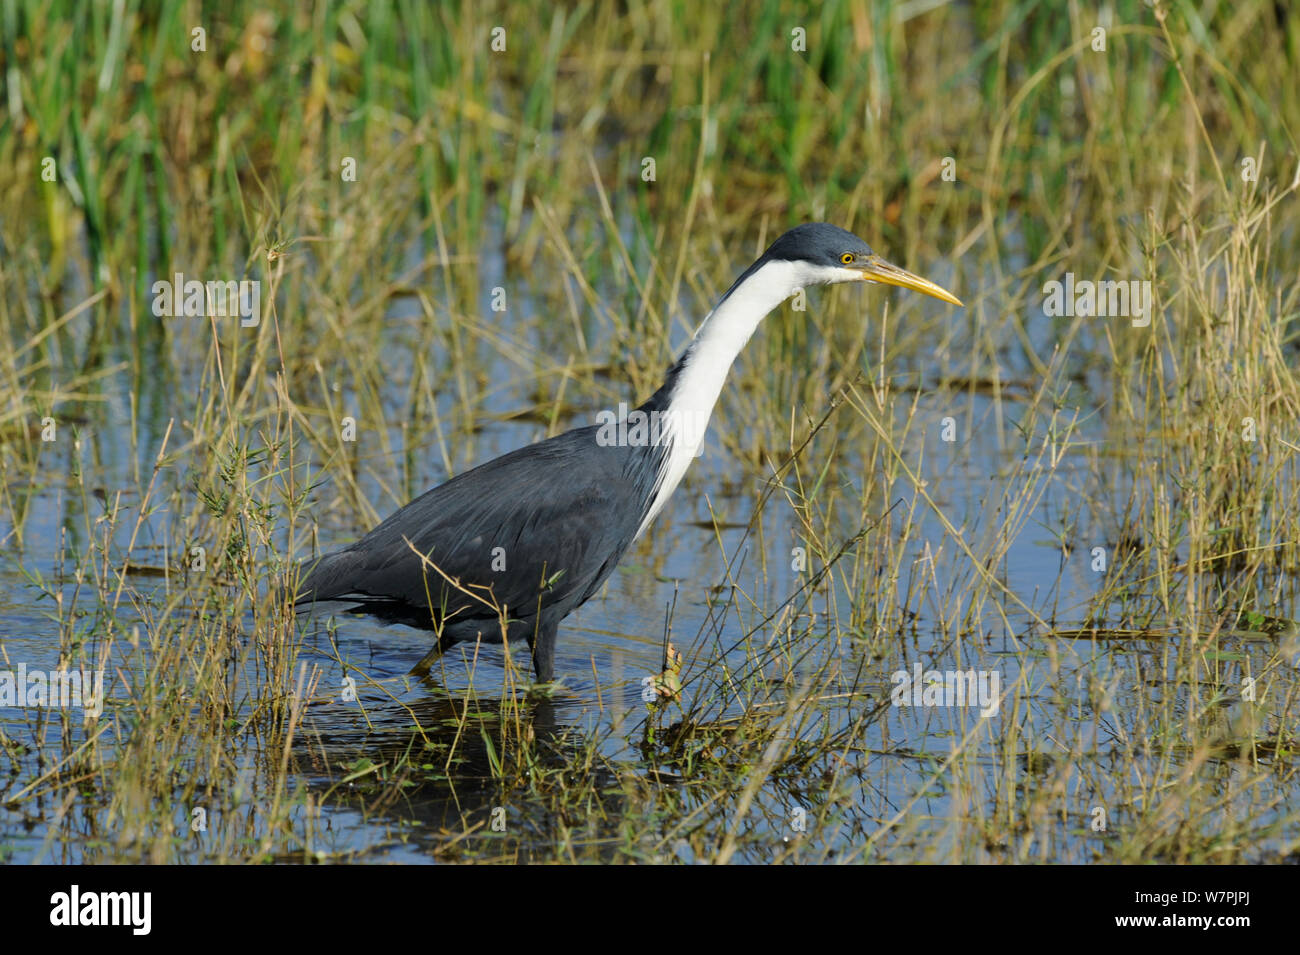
(704, 365)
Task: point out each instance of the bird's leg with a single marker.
(428, 660)
(542, 642)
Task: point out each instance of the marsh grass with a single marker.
(842, 537)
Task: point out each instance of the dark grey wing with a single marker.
(542, 527)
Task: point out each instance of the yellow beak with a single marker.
(876, 269)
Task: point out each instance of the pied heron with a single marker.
(513, 546)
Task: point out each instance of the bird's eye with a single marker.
(847, 258)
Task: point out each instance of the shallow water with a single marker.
(1050, 684)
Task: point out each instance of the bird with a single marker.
(508, 549)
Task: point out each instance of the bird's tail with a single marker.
(324, 578)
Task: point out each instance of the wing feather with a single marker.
(541, 527)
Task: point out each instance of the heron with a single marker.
(507, 550)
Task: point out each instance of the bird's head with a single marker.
(825, 254)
